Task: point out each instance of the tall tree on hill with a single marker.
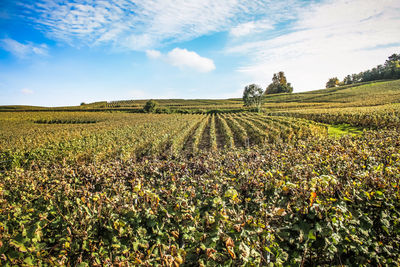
(392, 67)
(332, 82)
(253, 96)
(279, 84)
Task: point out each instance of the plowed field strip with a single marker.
(205, 137)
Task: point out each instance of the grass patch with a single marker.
(343, 129)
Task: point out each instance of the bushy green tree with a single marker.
(392, 67)
(253, 96)
(150, 106)
(279, 84)
(332, 82)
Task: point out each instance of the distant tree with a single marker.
(150, 106)
(332, 82)
(394, 57)
(392, 67)
(356, 78)
(279, 84)
(83, 103)
(347, 80)
(253, 96)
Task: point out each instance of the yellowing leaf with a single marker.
(229, 242)
(231, 253)
(279, 212)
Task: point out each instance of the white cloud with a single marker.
(23, 50)
(145, 24)
(27, 91)
(333, 38)
(183, 59)
(251, 27)
(153, 54)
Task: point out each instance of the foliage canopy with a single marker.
(332, 82)
(279, 84)
(253, 96)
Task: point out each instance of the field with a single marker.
(312, 180)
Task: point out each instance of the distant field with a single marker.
(312, 180)
(364, 94)
(371, 93)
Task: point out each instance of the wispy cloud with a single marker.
(153, 54)
(23, 50)
(354, 35)
(27, 91)
(183, 59)
(144, 24)
(251, 27)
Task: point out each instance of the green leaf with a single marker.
(29, 261)
(311, 235)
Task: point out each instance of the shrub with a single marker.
(150, 106)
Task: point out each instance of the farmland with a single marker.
(48, 137)
(103, 183)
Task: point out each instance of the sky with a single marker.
(64, 52)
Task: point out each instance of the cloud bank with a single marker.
(144, 24)
(332, 38)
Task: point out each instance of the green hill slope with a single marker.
(373, 93)
(357, 95)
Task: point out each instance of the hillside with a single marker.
(362, 94)
(383, 92)
(356, 95)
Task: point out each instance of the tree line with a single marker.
(389, 70)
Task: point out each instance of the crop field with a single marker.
(105, 187)
(31, 137)
(373, 117)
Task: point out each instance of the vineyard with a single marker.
(85, 187)
(371, 117)
(336, 205)
(74, 137)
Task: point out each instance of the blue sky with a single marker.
(57, 52)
